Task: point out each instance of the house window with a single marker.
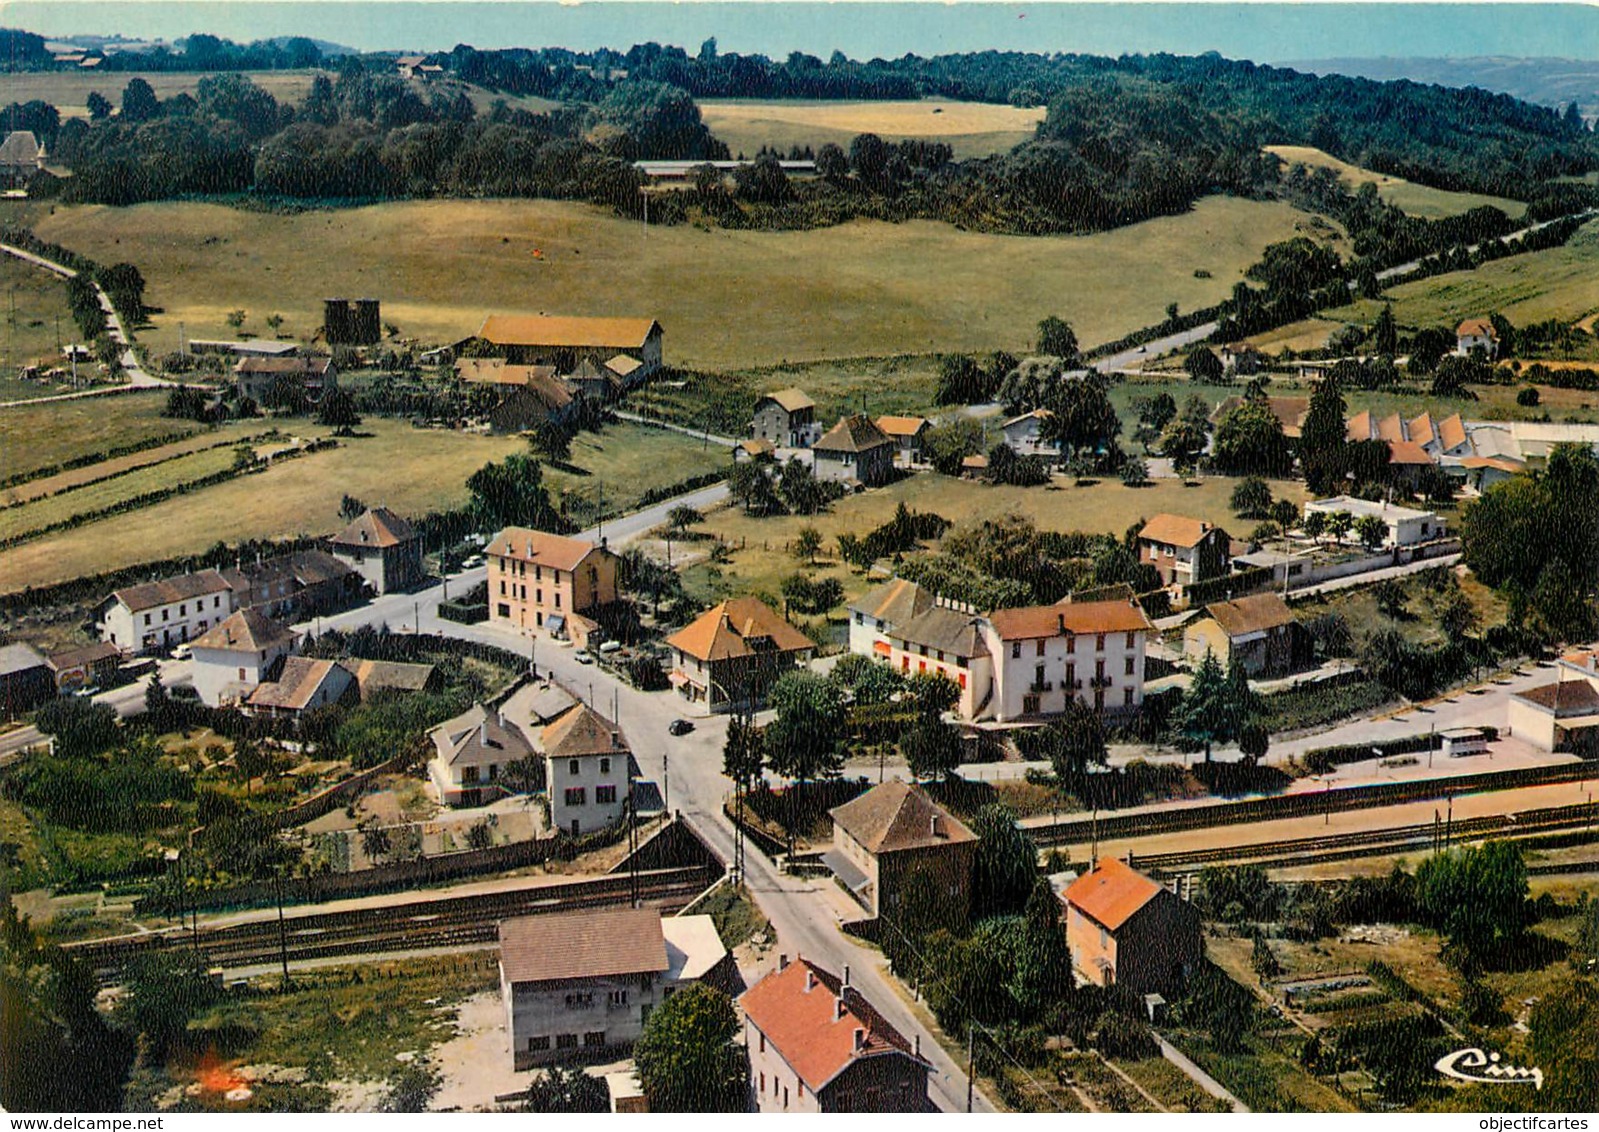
(922, 650)
(1016, 650)
(542, 1042)
(557, 599)
(1071, 676)
(860, 619)
(538, 596)
(503, 609)
(1040, 646)
(594, 1038)
(617, 998)
(538, 573)
(502, 587)
(575, 795)
(604, 795)
(469, 774)
(1129, 666)
(763, 1050)
(1071, 642)
(1099, 642)
(565, 1041)
(571, 766)
(605, 766)
(494, 771)
(146, 618)
(1099, 671)
(166, 615)
(241, 675)
(183, 610)
(1132, 641)
(1127, 697)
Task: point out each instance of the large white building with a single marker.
(232, 658)
(587, 768)
(155, 616)
(1010, 663)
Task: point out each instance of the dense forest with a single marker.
(1123, 139)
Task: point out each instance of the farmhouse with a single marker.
(854, 451)
(564, 341)
(895, 831)
(304, 684)
(1259, 630)
(1477, 334)
(539, 581)
(263, 379)
(470, 754)
(588, 770)
(21, 157)
(383, 548)
(157, 615)
(733, 652)
(1093, 651)
(87, 667)
(1405, 526)
(529, 395)
(581, 984)
(787, 419)
(293, 587)
(1125, 930)
(816, 1045)
(230, 659)
(908, 435)
(25, 679)
(1023, 436)
(1183, 551)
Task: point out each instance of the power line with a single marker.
(971, 1019)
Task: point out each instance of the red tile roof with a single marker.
(819, 1026)
(1252, 614)
(377, 527)
(1476, 328)
(902, 426)
(555, 551)
(248, 630)
(169, 590)
(790, 400)
(1111, 892)
(582, 732)
(567, 330)
(1176, 530)
(726, 630)
(1072, 617)
(853, 434)
(1407, 453)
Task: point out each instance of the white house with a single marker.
(1562, 715)
(1477, 334)
(1091, 650)
(587, 767)
(470, 754)
(230, 659)
(304, 684)
(1022, 435)
(581, 984)
(1405, 526)
(157, 615)
(874, 615)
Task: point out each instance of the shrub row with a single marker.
(464, 613)
(1150, 333)
(129, 471)
(87, 458)
(1322, 759)
(682, 487)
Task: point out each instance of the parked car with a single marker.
(583, 656)
(679, 727)
(182, 652)
(472, 563)
(610, 646)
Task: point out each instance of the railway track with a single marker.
(1368, 842)
(412, 926)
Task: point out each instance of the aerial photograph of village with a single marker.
(799, 558)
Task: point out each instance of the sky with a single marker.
(1264, 32)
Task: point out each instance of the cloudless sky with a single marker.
(1269, 32)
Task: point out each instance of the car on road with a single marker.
(679, 727)
(182, 652)
(583, 656)
(472, 563)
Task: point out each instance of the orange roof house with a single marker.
(383, 548)
(733, 652)
(895, 831)
(565, 341)
(1076, 617)
(1124, 929)
(817, 1045)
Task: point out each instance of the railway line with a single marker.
(411, 926)
(1370, 842)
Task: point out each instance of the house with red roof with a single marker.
(1045, 654)
(383, 548)
(1477, 334)
(733, 653)
(816, 1045)
(1183, 550)
(1126, 930)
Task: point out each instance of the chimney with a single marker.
(810, 981)
(839, 1011)
(932, 825)
(846, 974)
(1060, 623)
(860, 1038)
(782, 962)
(483, 731)
(917, 1047)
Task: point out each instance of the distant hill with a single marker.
(1547, 82)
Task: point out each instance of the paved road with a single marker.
(127, 700)
(1204, 1080)
(1406, 268)
(697, 434)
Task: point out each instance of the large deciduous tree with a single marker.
(686, 1058)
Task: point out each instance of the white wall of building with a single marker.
(218, 671)
(163, 626)
(591, 774)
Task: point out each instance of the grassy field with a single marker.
(39, 436)
(624, 462)
(760, 559)
(49, 485)
(43, 512)
(972, 129)
(68, 91)
(35, 311)
(1417, 200)
(410, 470)
(1560, 283)
(728, 299)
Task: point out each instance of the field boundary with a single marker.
(109, 476)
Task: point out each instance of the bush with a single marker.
(1528, 397)
(1121, 1036)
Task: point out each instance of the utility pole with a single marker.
(971, 1061)
(283, 933)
